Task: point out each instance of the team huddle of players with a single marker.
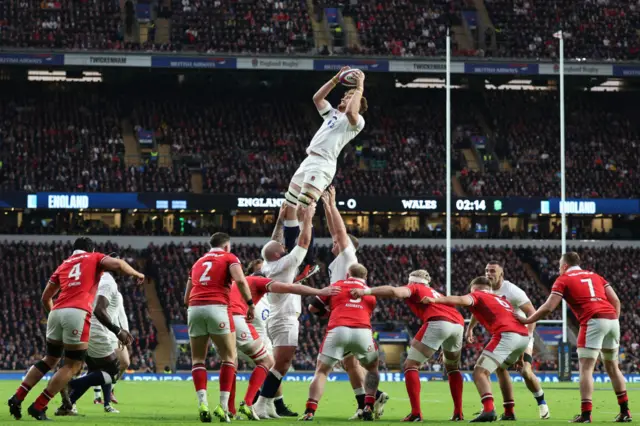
(256, 315)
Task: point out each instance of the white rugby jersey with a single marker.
(334, 134)
(284, 270)
(339, 268)
(108, 288)
(262, 314)
(123, 321)
(514, 295)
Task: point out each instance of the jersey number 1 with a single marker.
(590, 284)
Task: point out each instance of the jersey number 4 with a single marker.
(74, 275)
(205, 275)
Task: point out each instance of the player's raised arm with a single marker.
(353, 106)
(241, 281)
(278, 230)
(323, 92)
(385, 292)
(612, 297)
(119, 265)
(327, 201)
(307, 213)
(339, 232)
(449, 300)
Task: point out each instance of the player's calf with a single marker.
(292, 194)
(308, 195)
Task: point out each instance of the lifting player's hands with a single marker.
(251, 313)
(125, 337)
(356, 293)
(283, 211)
(469, 337)
(329, 291)
(307, 213)
(329, 196)
(427, 300)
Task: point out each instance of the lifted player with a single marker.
(340, 126)
(209, 317)
(443, 327)
(524, 308)
(247, 338)
(597, 307)
(344, 249)
(509, 340)
(68, 322)
(349, 330)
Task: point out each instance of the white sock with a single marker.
(202, 397)
(359, 391)
(224, 400)
(262, 400)
(538, 394)
(97, 392)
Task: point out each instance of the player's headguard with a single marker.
(420, 276)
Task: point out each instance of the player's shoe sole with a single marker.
(221, 414)
(543, 409)
(485, 417)
(205, 414)
(307, 272)
(378, 407)
(15, 407)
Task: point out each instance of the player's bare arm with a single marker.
(100, 311)
(469, 333)
(448, 300)
(323, 92)
(327, 200)
(47, 296)
(306, 214)
(302, 290)
(278, 230)
(339, 232)
(529, 310)
(612, 297)
(385, 292)
(241, 281)
(549, 306)
(187, 292)
(119, 265)
(353, 106)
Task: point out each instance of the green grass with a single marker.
(173, 403)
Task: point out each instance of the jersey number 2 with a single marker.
(590, 284)
(205, 275)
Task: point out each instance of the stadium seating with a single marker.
(25, 270)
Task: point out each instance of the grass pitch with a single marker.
(174, 403)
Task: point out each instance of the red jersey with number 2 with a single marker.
(259, 286)
(78, 278)
(585, 294)
(495, 313)
(346, 311)
(211, 278)
(436, 311)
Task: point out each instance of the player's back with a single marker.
(211, 278)
(495, 313)
(108, 288)
(431, 312)
(349, 312)
(258, 285)
(585, 293)
(78, 278)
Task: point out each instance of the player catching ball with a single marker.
(340, 126)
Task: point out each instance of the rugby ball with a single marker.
(348, 77)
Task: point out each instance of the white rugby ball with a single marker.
(348, 77)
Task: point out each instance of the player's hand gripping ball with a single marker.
(348, 77)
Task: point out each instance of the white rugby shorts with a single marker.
(357, 341)
(504, 349)
(101, 346)
(445, 334)
(205, 320)
(316, 171)
(283, 331)
(70, 326)
(599, 333)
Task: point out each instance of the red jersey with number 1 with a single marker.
(495, 313)
(585, 294)
(78, 278)
(211, 278)
(346, 311)
(259, 286)
(432, 312)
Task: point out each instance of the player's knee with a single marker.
(266, 362)
(410, 364)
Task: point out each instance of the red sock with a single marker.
(487, 402)
(508, 407)
(622, 397)
(586, 405)
(455, 386)
(232, 396)
(199, 375)
(312, 406)
(227, 373)
(369, 400)
(255, 383)
(43, 400)
(412, 382)
(22, 391)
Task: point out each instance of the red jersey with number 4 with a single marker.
(211, 278)
(259, 286)
(346, 311)
(585, 294)
(78, 278)
(495, 313)
(432, 312)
